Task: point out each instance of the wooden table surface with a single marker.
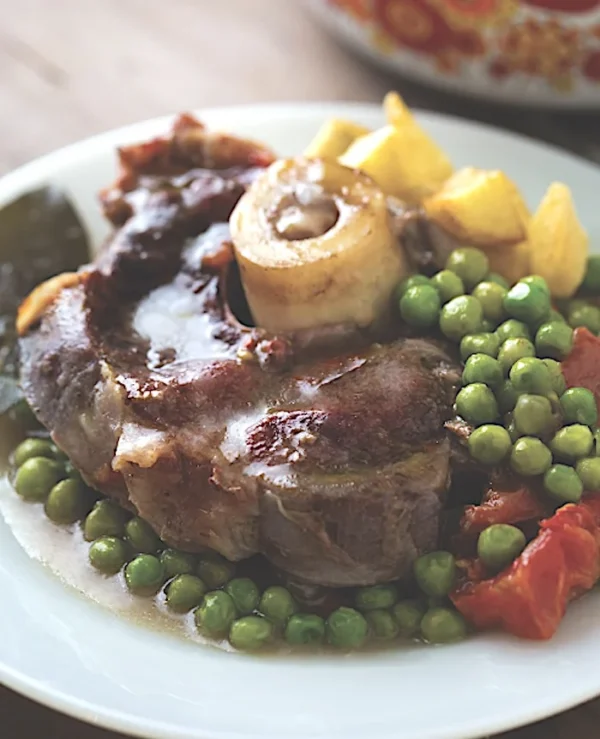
(71, 68)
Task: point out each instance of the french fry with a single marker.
(558, 242)
(403, 160)
(481, 208)
(333, 138)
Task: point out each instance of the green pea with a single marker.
(530, 375)
(471, 265)
(411, 281)
(554, 340)
(568, 306)
(538, 281)
(562, 484)
(435, 573)
(506, 396)
(487, 327)
(177, 563)
(529, 303)
(533, 415)
(530, 457)
(461, 316)
(476, 403)
(408, 615)
(513, 431)
(587, 316)
(499, 545)
(32, 448)
(512, 329)
(105, 519)
(589, 473)
(491, 296)
(489, 444)
(556, 317)
(215, 570)
(216, 614)
(479, 344)
(578, 405)
(591, 281)
(382, 624)
(144, 575)
(141, 536)
(443, 626)
(68, 501)
(305, 629)
(448, 285)
(420, 306)
(73, 473)
(250, 633)
(498, 279)
(553, 317)
(23, 416)
(558, 381)
(346, 628)
(36, 477)
(376, 597)
(108, 554)
(277, 604)
(572, 442)
(484, 369)
(184, 592)
(512, 350)
(244, 594)
(555, 403)
(59, 455)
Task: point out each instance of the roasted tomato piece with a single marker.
(580, 368)
(530, 597)
(504, 502)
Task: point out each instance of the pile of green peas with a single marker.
(497, 547)
(513, 391)
(222, 605)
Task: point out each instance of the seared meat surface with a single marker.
(325, 452)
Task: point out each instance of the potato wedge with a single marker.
(512, 262)
(404, 161)
(42, 297)
(559, 243)
(333, 138)
(397, 112)
(481, 208)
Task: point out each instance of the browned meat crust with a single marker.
(325, 452)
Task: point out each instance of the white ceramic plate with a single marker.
(65, 651)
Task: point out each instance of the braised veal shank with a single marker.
(326, 451)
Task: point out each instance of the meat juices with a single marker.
(328, 455)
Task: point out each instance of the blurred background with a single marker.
(72, 68)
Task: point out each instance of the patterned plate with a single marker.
(533, 52)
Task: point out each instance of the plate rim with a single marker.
(13, 179)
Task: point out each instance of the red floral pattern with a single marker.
(530, 39)
(417, 25)
(591, 66)
(564, 6)
(540, 48)
(476, 13)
